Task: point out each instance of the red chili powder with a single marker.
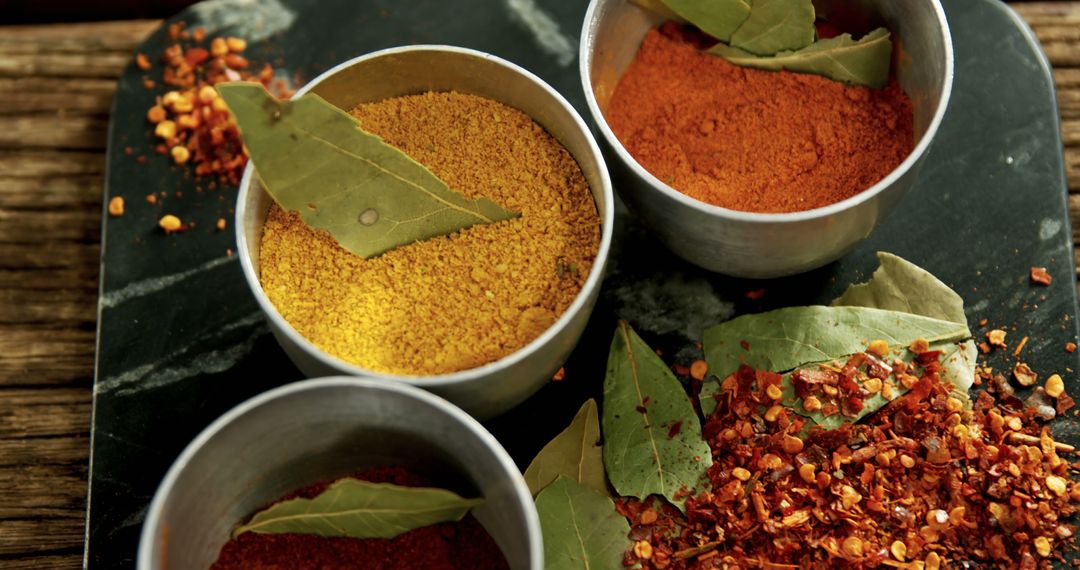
(754, 140)
(463, 545)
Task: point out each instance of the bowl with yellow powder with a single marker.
(484, 316)
(756, 160)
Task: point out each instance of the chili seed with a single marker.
(811, 404)
(853, 547)
(996, 338)
(792, 444)
(169, 223)
(774, 392)
(116, 206)
(878, 347)
(740, 474)
(1054, 386)
(933, 561)
(898, 549)
(1042, 546)
(1024, 374)
(1056, 484)
(807, 472)
(773, 413)
(648, 516)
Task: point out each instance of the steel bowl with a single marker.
(491, 389)
(319, 430)
(748, 244)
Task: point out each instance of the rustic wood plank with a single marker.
(34, 227)
(46, 355)
(109, 64)
(60, 192)
(51, 412)
(79, 38)
(28, 306)
(43, 490)
(45, 562)
(44, 451)
(49, 130)
(39, 535)
(40, 163)
(48, 255)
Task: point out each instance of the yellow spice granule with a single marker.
(456, 302)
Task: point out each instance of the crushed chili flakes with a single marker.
(194, 124)
(1039, 276)
(926, 482)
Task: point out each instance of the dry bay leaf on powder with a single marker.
(314, 158)
(718, 18)
(652, 435)
(862, 62)
(582, 530)
(776, 25)
(575, 453)
(360, 509)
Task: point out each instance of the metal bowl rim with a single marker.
(165, 488)
(592, 282)
(584, 67)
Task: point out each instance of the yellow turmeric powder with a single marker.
(455, 302)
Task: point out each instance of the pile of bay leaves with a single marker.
(781, 34)
(652, 441)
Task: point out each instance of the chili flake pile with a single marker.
(925, 483)
(192, 122)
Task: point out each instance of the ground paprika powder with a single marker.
(463, 545)
(749, 139)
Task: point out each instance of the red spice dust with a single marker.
(463, 545)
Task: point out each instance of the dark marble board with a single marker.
(181, 340)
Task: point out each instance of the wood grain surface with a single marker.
(56, 85)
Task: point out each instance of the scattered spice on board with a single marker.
(750, 139)
(189, 119)
(462, 545)
(1039, 276)
(453, 302)
(925, 482)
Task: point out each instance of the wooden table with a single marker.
(56, 86)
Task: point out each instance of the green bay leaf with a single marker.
(776, 25)
(718, 18)
(862, 62)
(314, 158)
(785, 339)
(899, 285)
(581, 529)
(359, 509)
(652, 435)
(659, 8)
(575, 453)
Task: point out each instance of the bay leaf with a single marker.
(776, 25)
(581, 529)
(574, 453)
(652, 435)
(718, 18)
(899, 285)
(862, 62)
(314, 158)
(359, 509)
(659, 8)
(951, 353)
(784, 339)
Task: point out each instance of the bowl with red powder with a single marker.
(759, 173)
(293, 441)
